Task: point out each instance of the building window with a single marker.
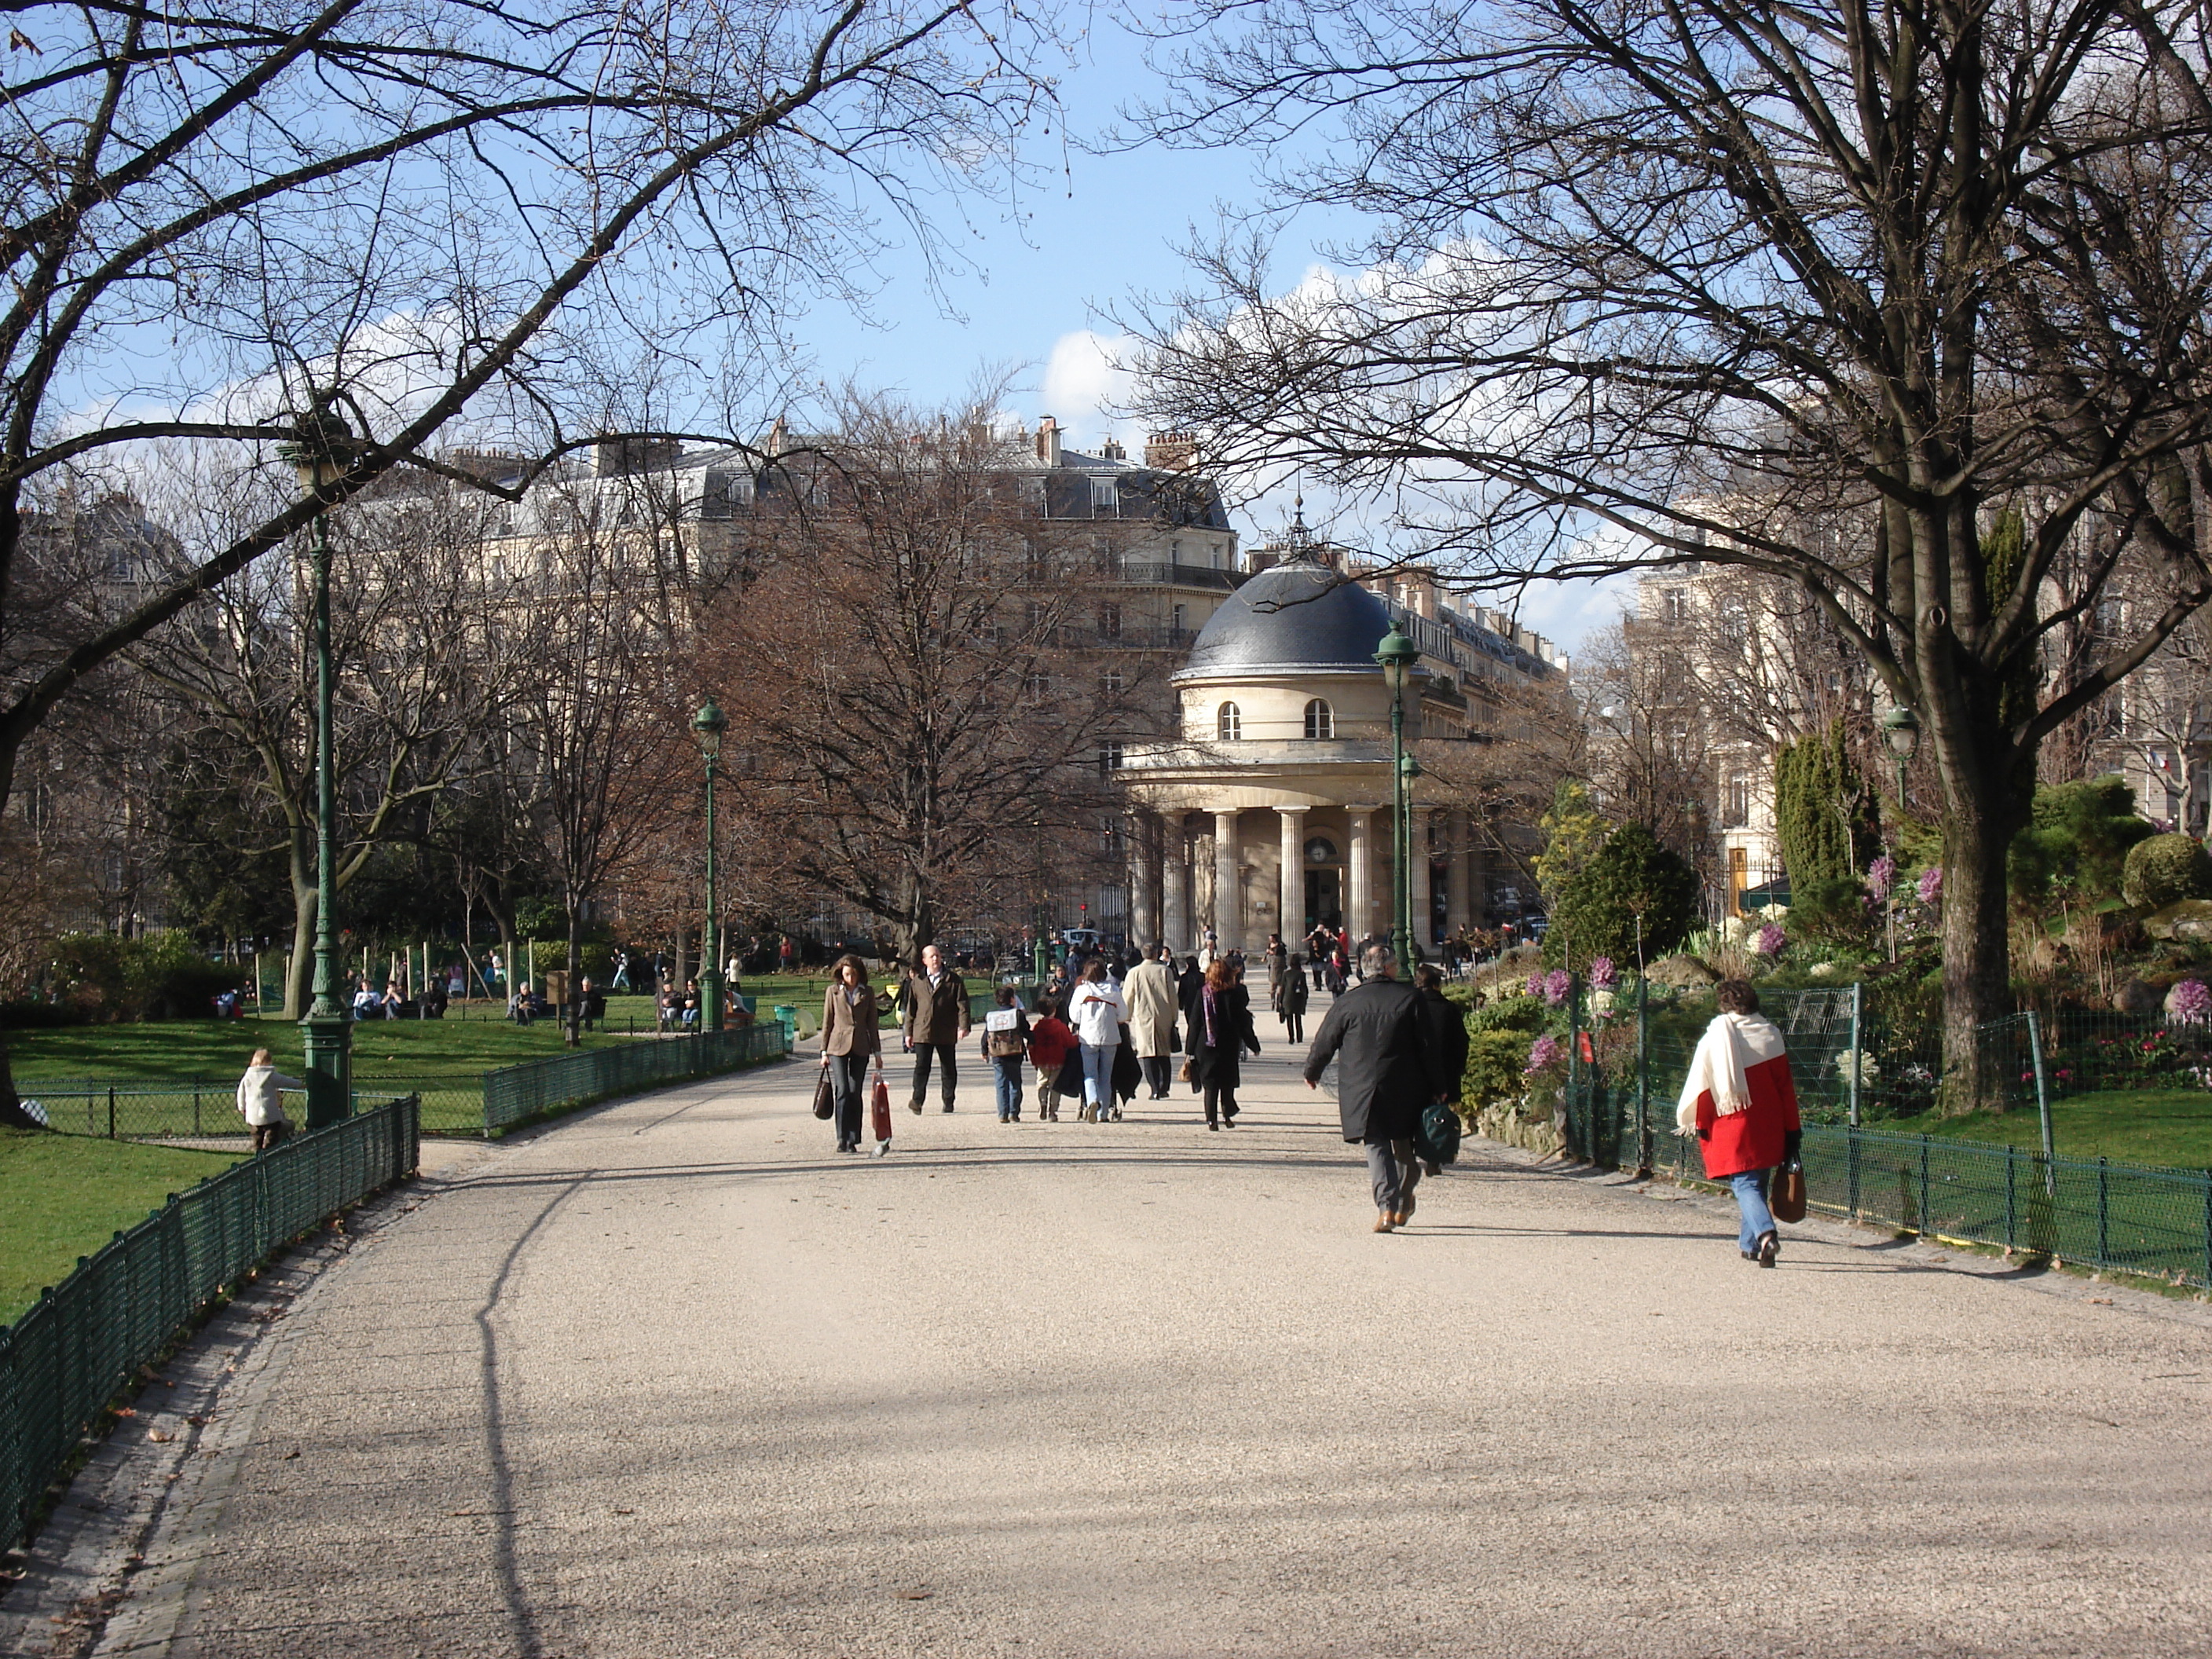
(1179, 623)
(1106, 497)
(1229, 724)
(1321, 720)
(1110, 682)
(1678, 605)
(1110, 621)
(1037, 687)
(1109, 759)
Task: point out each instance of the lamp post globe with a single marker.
(1900, 730)
(320, 451)
(1397, 655)
(706, 728)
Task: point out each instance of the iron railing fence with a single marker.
(515, 1093)
(79, 1346)
(202, 1108)
(1619, 1107)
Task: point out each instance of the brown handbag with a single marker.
(1787, 1198)
(825, 1104)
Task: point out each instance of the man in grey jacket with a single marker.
(1373, 1032)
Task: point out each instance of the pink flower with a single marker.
(1557, 984)
(1542, 1052)
(2189, 1002)
(1771, 940)
(1602, 974)
(1536, 985)
(1881, 876)
(1931, 886)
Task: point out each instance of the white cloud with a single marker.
(1081, 383)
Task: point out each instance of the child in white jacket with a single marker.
(261, 1100)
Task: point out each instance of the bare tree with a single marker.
(1657, 282)
(221, 225)
(912, 676)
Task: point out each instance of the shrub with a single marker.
(1494, 1059)
(1525, 1015)
(2077, 841)
(1632, 874)
(2165, 868)
(157, 976)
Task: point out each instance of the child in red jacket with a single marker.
(1050, 1040)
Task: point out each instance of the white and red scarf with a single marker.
(1731, 1046)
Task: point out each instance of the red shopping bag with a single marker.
(880, 1107)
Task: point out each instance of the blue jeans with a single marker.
(1098, 1074)
(1750, 1199)
(1006, 1078)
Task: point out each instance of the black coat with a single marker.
(1444, 1029)
(1232, 1024)
(1373, 1032)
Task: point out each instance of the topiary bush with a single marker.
(1495, 1061)
(1596, 912)
(2165, 868)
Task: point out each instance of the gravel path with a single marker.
(673, 1379)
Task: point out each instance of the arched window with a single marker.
(1230, 723)
(1321, 720)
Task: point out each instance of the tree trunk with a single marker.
(1986, 804)
(572, 1016)
(300, 975)
(11, 1107)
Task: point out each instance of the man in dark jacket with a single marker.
(1444, 1029)
(1374, 1033)
(935, 1021)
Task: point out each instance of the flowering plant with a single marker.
(1601, 1005)
(2189, 1002)
(1603, 977)
(1881, 876)
(1543, 1054)
(1771, 940)
(1557, 984)
(1867, 1068)
(1931, 885)
(1536, 985)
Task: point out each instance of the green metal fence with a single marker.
(515, 1093)
(80, 1343)
(1619, 1102)
(198, 1108)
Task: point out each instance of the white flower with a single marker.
(1602, 1004)
(1869, 1068)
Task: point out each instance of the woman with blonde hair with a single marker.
(1741, 1104)
(850, 1039)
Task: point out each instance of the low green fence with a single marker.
(516, 1093)
(196, 1108)
(63, 1361)
(2092, 1212)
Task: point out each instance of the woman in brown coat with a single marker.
(850, 1039)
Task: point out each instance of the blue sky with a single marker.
(1034, 298)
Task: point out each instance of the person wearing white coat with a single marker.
(1096, 1011)
(261, 1101)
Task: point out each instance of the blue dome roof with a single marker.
(1295, 615)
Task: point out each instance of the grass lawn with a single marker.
(2172, 1127)
(63, 1196)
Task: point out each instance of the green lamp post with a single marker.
(1398, 655)
(708, 726)
(320, 453)
(1900, 730)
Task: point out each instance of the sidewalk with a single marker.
(674, 1379)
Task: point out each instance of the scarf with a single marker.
(1207, 997)
(1731, 1046)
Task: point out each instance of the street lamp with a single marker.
(320, 453)
(1398, 655)
(708, 726)
(1900, 730)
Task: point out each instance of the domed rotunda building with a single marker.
(1274, 807)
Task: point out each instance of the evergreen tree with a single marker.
(1824, 815)
(1631, 877)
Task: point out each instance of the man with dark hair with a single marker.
(1373, 1032)
(934, 1010)
(1444, 1029)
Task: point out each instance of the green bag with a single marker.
(1437, 1138)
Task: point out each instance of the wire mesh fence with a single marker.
(1619, 1105)
(516, 1093)
(83, 1340)
(206, 1108)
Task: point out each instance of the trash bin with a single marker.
(786, 1015)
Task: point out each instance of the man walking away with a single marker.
(1374, 1033)
(936, 1023)
(1291, 1005)
(260, 1099)
(1150, 992)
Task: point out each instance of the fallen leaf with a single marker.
(916, 1594)
(156, 1436)
(289, 1456)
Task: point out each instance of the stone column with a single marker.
(1174, 885)
(1417, 869)
(1291, 923)
(1456, 870)
(1144, 882)
(1360, 903)
(1227, 887)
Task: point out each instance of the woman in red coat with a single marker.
(1741, 1104)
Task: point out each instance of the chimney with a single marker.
(1048, 441)
(1170, 452)
(1112, 450)
(779, 438)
